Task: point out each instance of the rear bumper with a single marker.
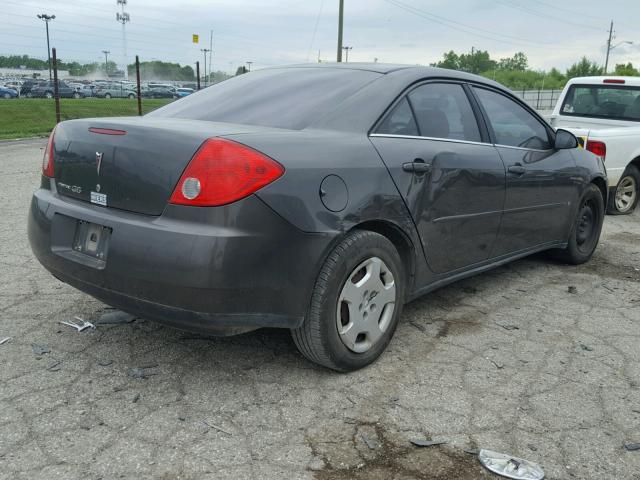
(231, 268)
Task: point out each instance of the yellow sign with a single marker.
(196, 38)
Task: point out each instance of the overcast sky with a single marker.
(273, 32)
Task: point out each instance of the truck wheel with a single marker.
(625, 196)
(356, 304)
(585, 231)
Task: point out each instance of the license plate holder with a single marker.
(92, 239)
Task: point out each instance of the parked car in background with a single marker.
(6, 92)
(317, 198)
(46, 89)
(115, 90)
(159, 92)
(183, 92)
(88, 90)
(604, 113)
(27, 85)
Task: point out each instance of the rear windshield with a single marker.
(290, 98)
(603, 101)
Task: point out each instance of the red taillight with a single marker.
(223, 171)
(618, 81)
(47, 159)
(597, 148)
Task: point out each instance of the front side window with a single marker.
(603, 101)
(512, 124)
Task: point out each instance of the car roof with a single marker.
(633, 81)
(408, 71)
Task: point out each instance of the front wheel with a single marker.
(586, 228)
(356, 304)
(624, 198)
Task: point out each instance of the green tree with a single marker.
(476, 61)
(451, 60)
(583, 68)
(518, 62)
(627, 70)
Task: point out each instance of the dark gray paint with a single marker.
(254, 263)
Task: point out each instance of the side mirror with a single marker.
(565, 140)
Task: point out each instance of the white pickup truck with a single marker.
(604, 113)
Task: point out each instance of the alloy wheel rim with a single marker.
(366, 305)
(626, 193)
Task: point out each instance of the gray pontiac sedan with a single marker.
(317, 198)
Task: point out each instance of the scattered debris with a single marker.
(533, 448)
(586, 348)
(39, 350)
(351, 400)
(418, 326)
(215, 427)
(509, 466)
(372, 444)
(105, 362)
(4, 340)
(471, 451)
(572, 289)
(141, 372)
(632, 446)
(54, 366)
(116, 317)
(78, 326)
(508, 327)
(607, 287)
(316, 465)
(182, 419)
(418, 442)
(135, 398)
(499, 366)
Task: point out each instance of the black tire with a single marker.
(318, 338)
(586, 228)
(630, 177)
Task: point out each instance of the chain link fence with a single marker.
(44, 102)
(539, 99)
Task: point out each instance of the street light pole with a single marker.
(123, 18)
(106, 62)
(205, 50)
(340, 26)
(249, 64)
(346, 51)
(46, 19)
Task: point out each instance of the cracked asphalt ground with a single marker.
(513, 360)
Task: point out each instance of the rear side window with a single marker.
(512, 124)
(399, 121)
(443, 111)
(603, 101)
(292, 98)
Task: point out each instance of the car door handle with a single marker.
(417, 166)
(517, 169)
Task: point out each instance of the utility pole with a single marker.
(346, 53)
(204, 51)
(249, 65)
(123, 18)
(106, 62)
(340, 25)
(46, 19)
(210, 52)
(606, 62)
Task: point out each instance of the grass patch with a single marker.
(33, 117)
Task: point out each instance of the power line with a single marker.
(545, 15)
(466, 28)
(315, 29)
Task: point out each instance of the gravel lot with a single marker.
(535, 359)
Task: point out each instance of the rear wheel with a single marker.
(586, 229)
(76, 95)
(131, 96)
(356, 304)
(624, 198)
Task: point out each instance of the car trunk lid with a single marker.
(131, 164)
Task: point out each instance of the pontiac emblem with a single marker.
(98, 161)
